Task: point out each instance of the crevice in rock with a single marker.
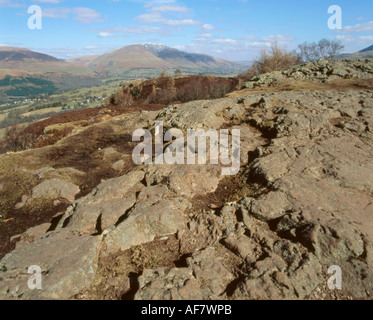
(231, 288)
(143, 181)
(54, 222)
(66, 221)
(98, 227)
(135, 286)
(267, 132)
(182, 262)
(124, 216)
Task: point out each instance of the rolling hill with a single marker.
(30, 61)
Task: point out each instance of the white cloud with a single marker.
(153, 3)
(183, 22)
(280, 38)
(56, 13)
(354, 40)
(154, 17)
(83, 15)
(225, 41)
(363, 27)
(245, 48)
(366, 38)
(86, 15)
(10, 4)
(157, 13)
(105, 35)
(113, 32)
(249, 37)
(208, 27)
(170, 8)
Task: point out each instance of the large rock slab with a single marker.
(68, 263)
(104, 206)
(145, 223)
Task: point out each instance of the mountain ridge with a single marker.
(150, 56)
(370, 48)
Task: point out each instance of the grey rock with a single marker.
(145, 223)
(55, 189)
(68, 263)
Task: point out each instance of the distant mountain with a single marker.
(367, 49)
(179, 58)
(83, 61)
(24, 72)
(362, 54)
(134, 56)
(16, 55)
(148, 56)
(30, 61)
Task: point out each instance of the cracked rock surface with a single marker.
(302, 202)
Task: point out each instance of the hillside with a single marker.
(31, 61)
(366, 53)
(168, 90)
(135, 56)
(178, 58)
(102, 227)
(83, 61)
(27, 73)
(149, 56)
(367, 49)
(14, 55)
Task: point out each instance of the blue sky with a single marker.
(231, 29)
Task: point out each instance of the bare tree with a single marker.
(324, 49)
(276, 59)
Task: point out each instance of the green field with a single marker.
(36, 109)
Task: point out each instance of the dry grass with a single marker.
(276, 59)
(337, 84)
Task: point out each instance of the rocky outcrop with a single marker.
(52, 189)
(302, 202)
(318, 71)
